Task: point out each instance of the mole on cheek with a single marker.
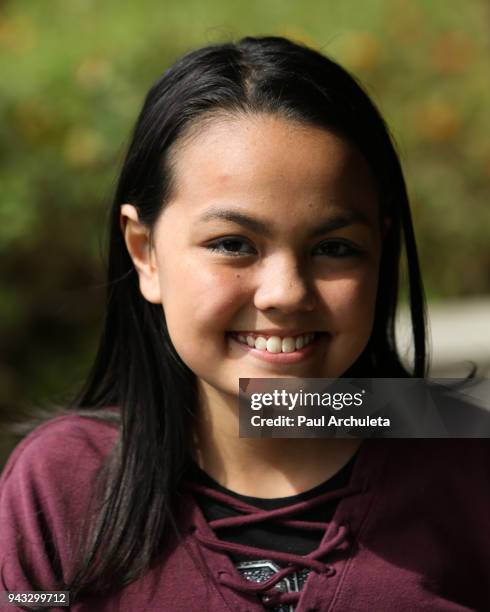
(237, 276)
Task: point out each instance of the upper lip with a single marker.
(276, 332)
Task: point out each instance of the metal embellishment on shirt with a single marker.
(263, 569)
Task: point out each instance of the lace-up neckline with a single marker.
(334, 538)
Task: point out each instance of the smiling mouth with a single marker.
(276, 344)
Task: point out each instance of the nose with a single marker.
(283, 286)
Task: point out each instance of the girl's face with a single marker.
(273, 230)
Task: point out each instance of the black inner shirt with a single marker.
(270, 534)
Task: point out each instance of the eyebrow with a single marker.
(334, 222)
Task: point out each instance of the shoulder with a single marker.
(434, 471)
(45, 490)
(457, 458)
(464, 463)
(69, 441)
(53, 468)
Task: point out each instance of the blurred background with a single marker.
(74, 75)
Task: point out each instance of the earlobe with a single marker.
(140, 249)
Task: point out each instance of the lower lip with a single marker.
(284, 358)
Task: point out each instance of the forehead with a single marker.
(272, 165)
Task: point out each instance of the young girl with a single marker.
(256, 232)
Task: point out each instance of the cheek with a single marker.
(200, 299)
(199, 308)
(351, 302)
(351, 306)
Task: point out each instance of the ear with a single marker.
(142, 252)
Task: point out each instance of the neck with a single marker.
(261, 467)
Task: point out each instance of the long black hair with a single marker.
(137, 368)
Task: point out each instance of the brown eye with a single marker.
(338, 249)
(231, 246)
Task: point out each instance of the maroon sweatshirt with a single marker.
(410, 531)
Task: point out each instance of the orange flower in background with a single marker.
(437, 120)
(83, 148)
(93, 72)
(361, 50)
(452, 52)
(406, 23)
(34, 119)
(17, 33)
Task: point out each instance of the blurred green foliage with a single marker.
(74, 74)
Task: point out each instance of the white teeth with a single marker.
(261, 343)
(275, 344)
